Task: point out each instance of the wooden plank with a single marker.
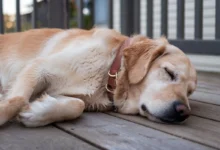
(208, 83)
(196, 129)
(204, 110)
(208, 89)
(17, 137)
(212, 78)
(113, 133)
(209, 86)
(205, 97)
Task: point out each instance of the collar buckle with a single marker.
(107, 89)
(113, 75)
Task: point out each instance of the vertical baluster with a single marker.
(110, 14)
(127, 17)
(18, 17)
(180, 18)
(34, 14)
(217, 19)
(80, 19)
(137, 16)
(1, 18)
(198, 19)
(150, 18)
(57, 14)
(164, 14)
(93, 12)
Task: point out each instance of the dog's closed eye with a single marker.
(170, 73)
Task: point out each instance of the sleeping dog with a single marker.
(50, 75)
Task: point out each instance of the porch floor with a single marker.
(115, 131)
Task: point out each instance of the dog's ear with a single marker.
(139, 57)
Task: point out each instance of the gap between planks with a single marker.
(79, 137)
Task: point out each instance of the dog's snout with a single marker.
(177, 112)
(182, 112)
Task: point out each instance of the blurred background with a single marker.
(101, 11)
(192, 25)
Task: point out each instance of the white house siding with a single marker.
(208, 18)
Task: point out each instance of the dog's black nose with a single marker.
(182, 112)
(177, 112)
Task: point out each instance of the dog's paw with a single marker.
(35, 114)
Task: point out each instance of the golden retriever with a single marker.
(50, 75)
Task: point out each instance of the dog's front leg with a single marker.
(21, 90)
(48, 109)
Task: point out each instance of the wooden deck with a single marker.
(113, 131)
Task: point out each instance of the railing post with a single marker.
(57, 17)
(150, 18)
(180, 18)
(164, 18)
(80, 19)
(217, 19)
(110, 14)
(198, 19)
(127, 17)
(18, 17)
(1, 18)
(136, 16)
(93, 12)
(34, 14)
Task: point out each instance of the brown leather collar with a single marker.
(113, 72)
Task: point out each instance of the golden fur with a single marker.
(64, 72)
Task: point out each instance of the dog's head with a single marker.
(156, 80)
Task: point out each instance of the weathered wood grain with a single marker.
(17, 137)
(205, 97)
(208, 88)
(204, 87)
(211, 78)
(209, 83)
(113, 133)
(205, 110)
(195, 129)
